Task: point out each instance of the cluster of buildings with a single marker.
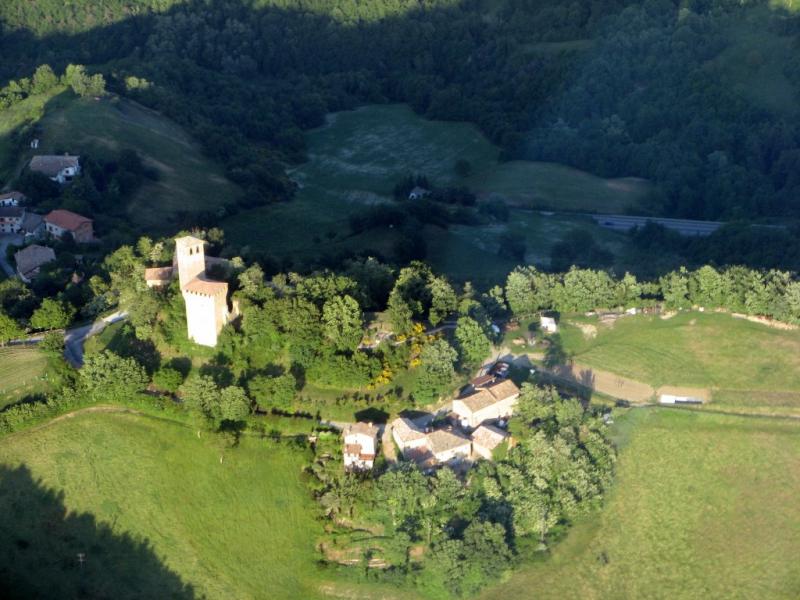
(472, 430)
(16, 219)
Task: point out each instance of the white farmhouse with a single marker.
(448, 446)
(12, 198)
(11, 218)
(60, 169)
(489, 403)
(360, 446)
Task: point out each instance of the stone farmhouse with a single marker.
(491, 402)
(59, 222)
(12, 198)
(206, 300)
(30, 259)
(485, 439)
(60, 169)
(11, 218)
(360, 446)
(445, 445)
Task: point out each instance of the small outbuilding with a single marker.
(59, 168)
(12, 198)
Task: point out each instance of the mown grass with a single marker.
(188, 181)
(358, 157)
(703, 507)
(693, 349)
(240, 529)
(22, 373)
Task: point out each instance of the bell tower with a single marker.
(191, 259)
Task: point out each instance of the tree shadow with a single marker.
(47, 551)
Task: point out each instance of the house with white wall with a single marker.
(360, 446)
(59, 168)
(486, 404)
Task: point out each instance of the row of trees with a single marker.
(44, 80)
(772, 293)
(453, 536)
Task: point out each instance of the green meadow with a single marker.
(358, 156)
(696, 349)
(703, 506)
(240, 528)
(188, 181)
(22, 372)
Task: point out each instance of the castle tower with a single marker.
(191, 257)
(206, 300)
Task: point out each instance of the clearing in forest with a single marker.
(358, 156)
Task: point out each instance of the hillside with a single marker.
(188, 182)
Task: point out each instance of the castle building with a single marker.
(206, 300)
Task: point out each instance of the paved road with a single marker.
(5, 241)
(682, 226)
(76, 337)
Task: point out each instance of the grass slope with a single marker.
(21, 373)
(241, 529)
(188, 181)
(17, 117)
(694, 349)
(355, 161)
(703, 507)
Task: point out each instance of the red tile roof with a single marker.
(206, 287)
(66, 219)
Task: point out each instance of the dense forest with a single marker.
(616, 87)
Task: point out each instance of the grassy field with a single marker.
(558, 187)
(240, 529)
(694, 349)
(21, 373)
(355, 161)
(704, 506)
(20, 115)
(188, 181)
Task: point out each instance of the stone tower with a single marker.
(206, 300)
(191, 257)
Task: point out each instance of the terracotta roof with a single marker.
(442, 440)
(34, 256)
(206, 287)
(505, 388)
(12, 195)
(367, 429)
(66, 219)
(482, 381)
(158, 274)
(51, 165)
(406, 430)
(12, 211)
(489, 437)
(490, 395)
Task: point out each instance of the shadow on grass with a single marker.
(47, 551)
